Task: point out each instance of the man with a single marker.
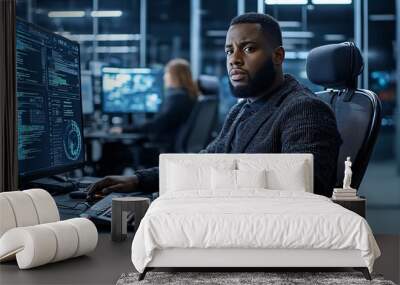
(277, 115)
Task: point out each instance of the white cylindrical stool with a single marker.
(119, 214)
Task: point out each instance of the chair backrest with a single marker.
(281, 168)
(358, 112)
(196, 133)
(208, 85)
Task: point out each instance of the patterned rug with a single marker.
(243, 278)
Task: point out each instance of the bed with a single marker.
(246, 211)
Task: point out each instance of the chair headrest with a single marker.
(208, 85)
(335, 65)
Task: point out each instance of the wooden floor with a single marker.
(106, 264)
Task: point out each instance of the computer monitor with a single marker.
(87, 92)
(131, 90)
(50, 137)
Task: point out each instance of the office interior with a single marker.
(122, 47)
(147, 34)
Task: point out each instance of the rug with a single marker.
(243, 278)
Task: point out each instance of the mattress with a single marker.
(250, 219)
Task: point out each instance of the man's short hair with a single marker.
(269, 26)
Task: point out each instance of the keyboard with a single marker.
(101, 211)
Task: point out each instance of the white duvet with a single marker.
(250, 219)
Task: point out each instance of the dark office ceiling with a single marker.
(169, 23)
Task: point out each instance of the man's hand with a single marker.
(110, 184)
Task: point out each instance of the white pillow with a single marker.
(187, 175)
(231, 180)
(281, 175)
(183, 177)
(223, 179)
(251, 178)
(293, 179)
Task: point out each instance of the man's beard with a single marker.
(261, 81)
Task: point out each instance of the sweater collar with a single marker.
(275, 96)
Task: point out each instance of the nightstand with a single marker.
(356, 205)
(120, 209)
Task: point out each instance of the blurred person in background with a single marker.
(181, 93)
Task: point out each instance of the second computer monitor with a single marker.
(131, 90)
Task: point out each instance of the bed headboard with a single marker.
(277, 162)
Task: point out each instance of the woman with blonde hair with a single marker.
(180, 95)
(178, 75)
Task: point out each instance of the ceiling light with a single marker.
(216, 33)
(297, 34)
(101, 37)
(382, 17)
(331, 1)
(289, 24)
(118, 37)
(98, 14)
(66, 14)
(114, 49)
(335, 37)
(286, 2)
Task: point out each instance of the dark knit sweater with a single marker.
(292, 119)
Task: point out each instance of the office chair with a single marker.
(358, 111)
(199, 128)
(194, 135)
(208, 85)
(197, 131)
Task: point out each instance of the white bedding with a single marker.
(250, 219)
